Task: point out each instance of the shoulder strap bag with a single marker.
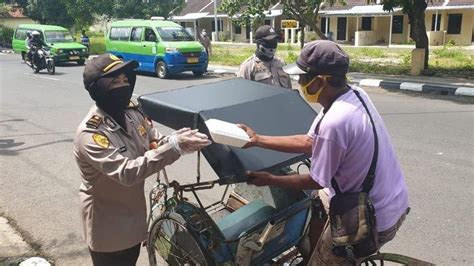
(352, 215)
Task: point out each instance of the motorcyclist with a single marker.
(34, 44)
(27, 45)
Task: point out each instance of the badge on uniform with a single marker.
(142, 131)
(101, 140)
(122, 149)
(108, 121)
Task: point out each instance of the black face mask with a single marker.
(266, 49)
(114, 103)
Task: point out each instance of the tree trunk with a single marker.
(321, 35)
(416, 15)
(302, 35)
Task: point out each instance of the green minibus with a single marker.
(160, 46)
(62, 45)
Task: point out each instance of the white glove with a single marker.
(187, 141)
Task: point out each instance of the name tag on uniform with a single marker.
(122, 149)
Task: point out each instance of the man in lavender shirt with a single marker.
(341, 143)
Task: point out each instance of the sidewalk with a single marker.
(424, 84)
(14, 250)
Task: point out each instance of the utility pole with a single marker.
(215, 20)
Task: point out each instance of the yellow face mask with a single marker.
(312, 98)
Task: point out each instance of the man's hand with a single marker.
(259, 178)
(252, 135)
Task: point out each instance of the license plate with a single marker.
(74, 58)
(193, 60)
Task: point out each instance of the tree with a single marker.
(305, 11)
(415, 10)
(49, 12)
(81, 11)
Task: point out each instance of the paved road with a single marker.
(433, 137)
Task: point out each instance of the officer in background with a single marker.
(116, 148)
(263, 66)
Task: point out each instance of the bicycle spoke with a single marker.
(174, 242)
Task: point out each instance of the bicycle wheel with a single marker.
(170, 238)
(393, 259)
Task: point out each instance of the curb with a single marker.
(418, 87)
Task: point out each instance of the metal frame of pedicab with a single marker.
(248, 248)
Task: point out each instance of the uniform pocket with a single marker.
(284, 79)
(260, 76)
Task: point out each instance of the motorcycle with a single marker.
(42, 59)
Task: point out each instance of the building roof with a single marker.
(461, 3)
(365, 10)
(194, 6)
(360, 7)
(340, 6)
(15, 12)
(196, 9)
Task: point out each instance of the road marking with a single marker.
(410, 86)
(36, 75)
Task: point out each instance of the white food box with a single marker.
(227, 133)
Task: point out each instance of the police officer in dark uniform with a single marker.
(264, 66)
(116, 148)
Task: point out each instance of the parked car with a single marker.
(160, 46)
(62, 46)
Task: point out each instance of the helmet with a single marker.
(35, 33)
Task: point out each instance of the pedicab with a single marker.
(267, 229)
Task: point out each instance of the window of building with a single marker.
(367, 23)
(267, 22)
(325, 25)
(136, 34)
(436, 22)
(220, 25)
(454, 23)
(397, 25)
(237, 29)
(183, 24)
(119, 34)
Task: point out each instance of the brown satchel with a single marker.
(352, 215)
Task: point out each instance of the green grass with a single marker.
(447, 61)
(97, 45)
(367, 52)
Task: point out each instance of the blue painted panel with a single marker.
(175, 62)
